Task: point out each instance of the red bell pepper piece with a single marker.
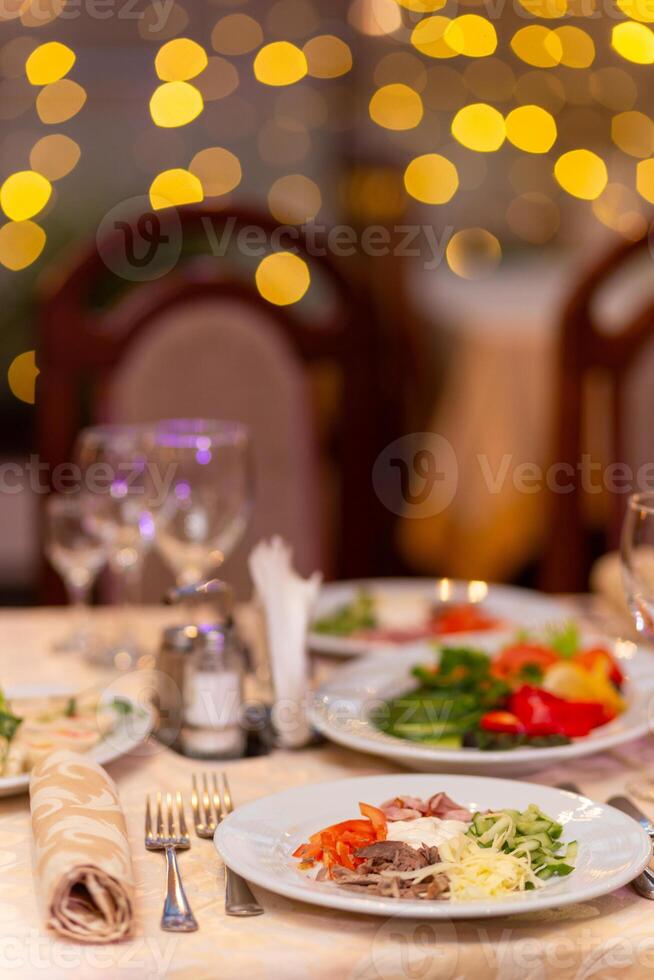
(377, 818)
(543, 713)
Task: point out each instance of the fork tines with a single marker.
(169, 825)
(209, 805)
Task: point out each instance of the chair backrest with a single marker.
(202, 341)
(605, 351)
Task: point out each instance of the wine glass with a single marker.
(637, 551)
(77, 554)
(117, 508)
(638, 560)
(206, 469)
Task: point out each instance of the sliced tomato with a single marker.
(377, 818)
(467, 618)
(514, 659)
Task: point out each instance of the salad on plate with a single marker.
(536, 692)
(387, 616)
(31, 728)
(436, 850)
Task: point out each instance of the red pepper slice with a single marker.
(502, 721)
(376, 817)
(543, 713)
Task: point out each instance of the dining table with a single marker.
(607, 937)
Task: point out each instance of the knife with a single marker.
(644, 883)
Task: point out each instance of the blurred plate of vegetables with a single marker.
(357, 617)
(37, 719)
(502, 704)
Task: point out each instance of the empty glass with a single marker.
(205, 505)
(116, 497)
(638, 560)
(78, 554)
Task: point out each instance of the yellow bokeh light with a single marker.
(294, 199)
(54, 156)
(473, 253)
(633, 132)
(538, 46)
(60, 101)
(22, 375)
(21, 243)
(396, 107)
(24, 194)
(428, 37)
(577, 47)
(48, 63)
(423, 6)
(642, 10)
(280, 63)
(217, 169)
(180, 59)
(236, 34)
(375, 17)
(635, 42)
(479, 127)
(431, 178)
(645, 179)
(547, 9)
(283, 278)
(531, 129)
(581, 173)
(327, 56)
(471, 35)
(175, 187)
(175, 104)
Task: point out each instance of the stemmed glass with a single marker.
(116, 499)
(637, 550)
(638, 560)
(78, 554)
(205, 508)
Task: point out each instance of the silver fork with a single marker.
(210, 806)
(170, 836)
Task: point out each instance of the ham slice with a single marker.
(441, 806)
(404, 808)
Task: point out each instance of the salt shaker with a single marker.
(213, 695)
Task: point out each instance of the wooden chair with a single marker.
(101, 333)
(586, 347)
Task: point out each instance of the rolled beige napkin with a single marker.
(82, 860)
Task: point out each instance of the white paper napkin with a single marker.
(287, 600)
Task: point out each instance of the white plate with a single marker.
(340, 710)
(258, 840)
(130, 731)
(517, 607)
